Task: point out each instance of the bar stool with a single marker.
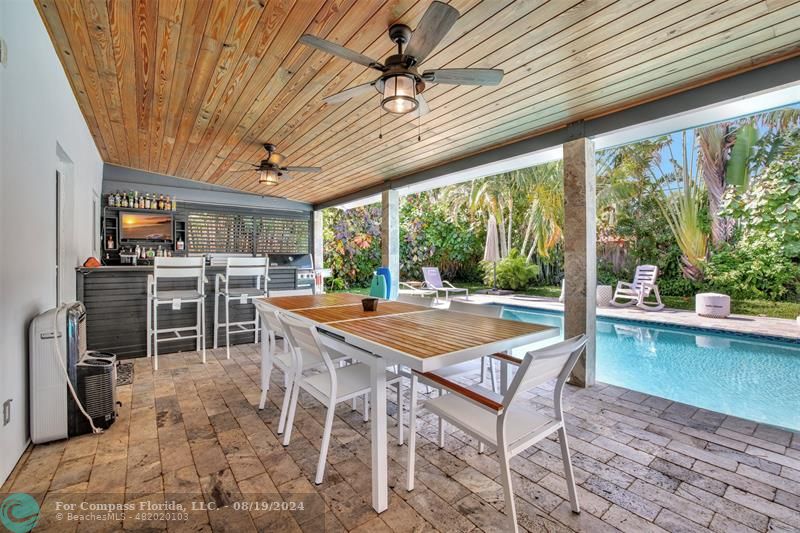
(176, 268)
(239, 267)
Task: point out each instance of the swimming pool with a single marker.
(743, 376)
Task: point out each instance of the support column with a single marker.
(580, 255)
(390, 237)
(317, 249)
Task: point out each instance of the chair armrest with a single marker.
(456, 388)
(624, 284)
(506, 357)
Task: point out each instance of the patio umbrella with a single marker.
(492, 250)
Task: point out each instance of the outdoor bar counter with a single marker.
(115, 298)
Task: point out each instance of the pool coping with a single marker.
(780, 330)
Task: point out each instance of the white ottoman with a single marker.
(712, 305)
(604, 295)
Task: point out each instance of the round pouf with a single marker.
(712, 305)
(604, 295)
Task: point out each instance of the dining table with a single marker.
(414, 336)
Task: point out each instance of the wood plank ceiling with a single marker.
(178, 86)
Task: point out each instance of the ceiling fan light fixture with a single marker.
(268, 176)
(399, 94)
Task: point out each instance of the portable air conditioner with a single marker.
(57, 347)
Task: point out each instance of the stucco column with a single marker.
(580, 256)
(317, 249)
(316, 246)
(390, 237)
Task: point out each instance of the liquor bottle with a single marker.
(124, 200)
(117, 199)
(154, 202)
(174, 203)
(147, 201)
(167, 203)
(135, 199)
(110, 242)
(110, 200)
(161, 202)
(179, 245)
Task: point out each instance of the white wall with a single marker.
(39, 119)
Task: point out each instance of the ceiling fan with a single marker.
(271, 169)
(401, 82)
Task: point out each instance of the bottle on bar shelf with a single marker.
(167, 203)
(147, 201)
(174, 203)
(124, 200)
(110, 200)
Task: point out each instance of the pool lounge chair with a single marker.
(644, 284)
(410, 290)
(433, 281)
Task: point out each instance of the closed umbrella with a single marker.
(492, 250)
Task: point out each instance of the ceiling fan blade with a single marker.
(302, 169)
(423, 108)
(245, 170)
(341, 51)
(464, 76)
(435, 24)
(347, 94)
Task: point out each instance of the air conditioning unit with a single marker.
(57, 357)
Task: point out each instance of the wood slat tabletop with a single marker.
(291, 303)
(336, 314)
(437, 332)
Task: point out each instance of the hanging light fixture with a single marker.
(268, 176)
(400, 94)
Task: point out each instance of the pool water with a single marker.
(737, 375)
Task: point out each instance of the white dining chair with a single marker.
(253, 269)
(276, 353)
(507, 422)
(330, 387)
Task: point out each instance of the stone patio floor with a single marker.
(192, 432)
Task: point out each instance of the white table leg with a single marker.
(380, 474)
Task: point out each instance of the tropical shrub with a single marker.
(431, 236)
(752, 269)
(352, 244)
(771, 206)
(513, 272)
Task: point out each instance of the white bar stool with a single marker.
(176, 268)
(239, 267)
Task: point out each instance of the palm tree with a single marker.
(680, 201)
(728, 154)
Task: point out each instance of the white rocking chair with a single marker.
(644, 284)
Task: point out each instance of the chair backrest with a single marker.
(179, 268)
(432, 277)
(305, 344)
(493, 311)
(427, 301)
(248, 267)
(540, 366)
(645, 277)
(292, 292)
(271, 319)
